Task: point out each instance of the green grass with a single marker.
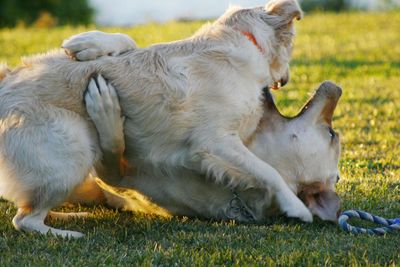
(359, 51)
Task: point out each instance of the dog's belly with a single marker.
(190, 194)
(187, 194)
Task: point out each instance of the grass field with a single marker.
(359, 51)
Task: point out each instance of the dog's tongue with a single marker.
(276, 86)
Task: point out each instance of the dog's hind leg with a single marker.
(45, 153)
(88, 193)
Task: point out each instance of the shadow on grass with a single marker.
(125, 225)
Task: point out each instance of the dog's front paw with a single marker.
(91, 45)
(292, 206)
(300, 212)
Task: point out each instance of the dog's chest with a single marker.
(245, 102)
(248, 123)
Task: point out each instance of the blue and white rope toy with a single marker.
(388, 225)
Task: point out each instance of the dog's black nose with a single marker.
(284, 81)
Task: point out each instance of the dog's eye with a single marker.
(331, 132)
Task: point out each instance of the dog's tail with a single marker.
(4, 70)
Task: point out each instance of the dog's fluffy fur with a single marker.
(190, 106)
(291, 145)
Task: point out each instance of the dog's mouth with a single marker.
(276, 86)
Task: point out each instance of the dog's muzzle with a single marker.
(277, 85)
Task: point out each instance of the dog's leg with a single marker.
(88, 193)
(228, 160)
(45, 153)
(103, 107)
(94, 44)
(33, 220)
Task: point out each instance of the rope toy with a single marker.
(389, 225)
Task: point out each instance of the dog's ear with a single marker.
(322, 104)
(285, 11)
(271, 112)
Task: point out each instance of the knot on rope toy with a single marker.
(388, 225)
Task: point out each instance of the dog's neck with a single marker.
(252, 39)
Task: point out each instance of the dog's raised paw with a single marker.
(94, 44)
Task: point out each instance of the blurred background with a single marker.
(47, 13)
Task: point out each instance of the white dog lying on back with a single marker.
(189, 105)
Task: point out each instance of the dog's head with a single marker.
(273, 31)
(305, 149)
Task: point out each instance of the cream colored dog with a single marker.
(190, 107)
